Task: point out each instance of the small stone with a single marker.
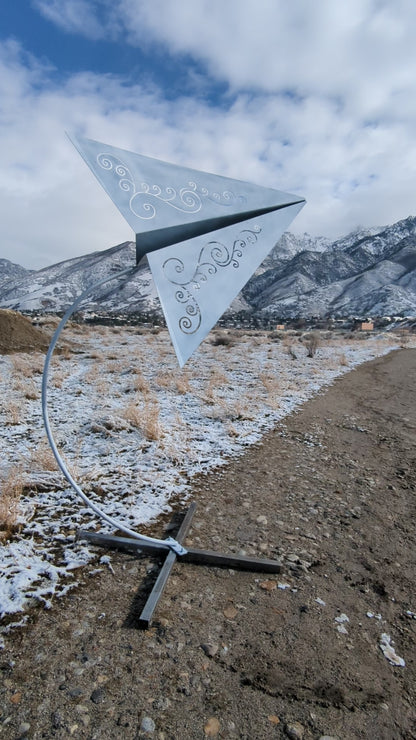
(268, 585)
(274, 719)
(57, 720)
(292, 558)
(75, 693)
(210, 649)
(23, 729)
(230, 612)
(295, 730)
(147, 725)
(328, 737)
(261, 519)
(16, 698)
(162, 704)
(98, 696)
(212, 727)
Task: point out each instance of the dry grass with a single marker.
(13, 412)
(92, 374)
(43, 457)
(222, 339)
(312, 342)
(290, 350)
(243, 411)
(145, 417)
(102, 387)
(182, 383)
(114, 367)
(217, 378)
(65, 353)
(58, 377)
(140, 384)
(272, 385)
(26, 365)
(31, 392)
(269, 380)
(232, 431)
(11, 489)
(151, 426)
(165, 380)
(403, 336)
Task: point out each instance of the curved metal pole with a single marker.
(169, 543)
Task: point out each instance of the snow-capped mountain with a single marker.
(373, 274)
(11, 274)
(367, 272)
(290, 244)
(54, 289)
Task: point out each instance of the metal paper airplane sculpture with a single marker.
(204, 235)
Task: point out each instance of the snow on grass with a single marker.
(133, 429)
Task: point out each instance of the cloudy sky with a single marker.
(316, 98)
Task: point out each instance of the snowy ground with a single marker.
(133, 429)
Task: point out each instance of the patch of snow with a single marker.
(389, 652)
(341, 621)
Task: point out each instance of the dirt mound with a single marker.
(18, 335)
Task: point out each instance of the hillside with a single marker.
(367, 272)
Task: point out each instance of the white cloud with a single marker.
(359, 52)
(323, 105)
(78, 16)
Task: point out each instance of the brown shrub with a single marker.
(11, 488)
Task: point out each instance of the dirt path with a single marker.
(231, 655)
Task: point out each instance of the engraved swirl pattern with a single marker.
(144, 199)
(213, 255)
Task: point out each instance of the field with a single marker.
(133, 430)
(327, 647)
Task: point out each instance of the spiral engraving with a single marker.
(145, 199)
(211, 257)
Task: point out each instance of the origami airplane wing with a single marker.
(204, 235)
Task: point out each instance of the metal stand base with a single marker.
(198, 557)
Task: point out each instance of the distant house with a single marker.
(366, 326)
(280, 327)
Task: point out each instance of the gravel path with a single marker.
(316, 651)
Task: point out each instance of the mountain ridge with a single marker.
(367, 272)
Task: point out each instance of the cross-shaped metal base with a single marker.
(198, 557)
